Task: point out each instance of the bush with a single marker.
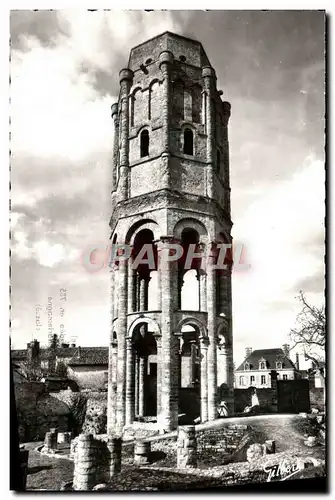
(96, 423)
(77, 407)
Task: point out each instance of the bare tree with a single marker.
(310, 334)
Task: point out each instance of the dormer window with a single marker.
(262, 364)
(279, 365)
(247, 366)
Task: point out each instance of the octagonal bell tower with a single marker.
(170, 186)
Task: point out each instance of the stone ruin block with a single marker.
(114, 445)
(50, 442)
(255, 452)
(270, 446)
(64, 437)
(142, 450)
(186, 447)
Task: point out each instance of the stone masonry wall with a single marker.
(222, 440)
(243, 399)
(316, 397)
(38, 411)
(93, 378)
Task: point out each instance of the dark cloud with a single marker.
(312, 284)
(105, 82)
(44, 25)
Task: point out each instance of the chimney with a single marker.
(297, 361)
(33, 351)
(286, 349)
(248, 351)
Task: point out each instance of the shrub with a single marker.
(77, 412)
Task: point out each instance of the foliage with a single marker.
(32, 371)
(54, 341)
(61, 369)
(77, 414)
(96, 423)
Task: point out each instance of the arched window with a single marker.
(262, 365)
(188, 142)
(247, 366)
(218, 160)
(144, 143)
(279, 365)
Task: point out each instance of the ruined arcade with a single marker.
(170, 184)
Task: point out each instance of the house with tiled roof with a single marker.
(87, 366)
(256, 368)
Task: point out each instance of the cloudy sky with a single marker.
(64, 77)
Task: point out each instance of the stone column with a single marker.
(186, 447)
(143, 294)
(84, 474)
(231, 375)
(130, 383)
(203, 292)
(131, 287)
(203, 379)
(159, 296)
(112, 292)
(137, 379)
(126, 79)
(111, 391)
(208, 74)
(226, 108)
(159, 373)
(115, 449)
(115, 117)
(169, 351)
(50, 441)
(165, 60)
(138, 291)
(122, 333)
(211, 327)
(142, 450)
(223, 365)
(141, 385)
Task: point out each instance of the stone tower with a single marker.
(170, 186)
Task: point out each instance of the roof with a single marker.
(18, 354)
(77, 355)
(90, 356)
(270, 356)
(172, 42)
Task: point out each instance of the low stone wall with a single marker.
(220, 442)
